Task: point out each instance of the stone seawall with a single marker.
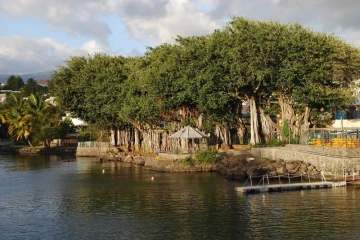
(330, 160)
(37, 150)
(175, 165)
(91, 151)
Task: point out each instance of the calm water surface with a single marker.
(42, 197)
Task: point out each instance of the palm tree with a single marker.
(2, 118)
(37, 105)
(31, 120)
(43, 118)
(19, 121)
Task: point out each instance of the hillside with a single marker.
(25, 77)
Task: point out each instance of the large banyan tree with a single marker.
(285, 73)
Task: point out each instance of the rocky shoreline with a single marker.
(235, 167)
(241, 169)
(36, 150)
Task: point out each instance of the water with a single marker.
(42, 197)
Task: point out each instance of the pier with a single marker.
(290, 187)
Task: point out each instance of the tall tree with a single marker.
(14, 83)
(32, 87)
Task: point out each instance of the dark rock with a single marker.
(255, 171)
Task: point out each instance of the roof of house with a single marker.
(44, 80)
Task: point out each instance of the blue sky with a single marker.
(38, 35)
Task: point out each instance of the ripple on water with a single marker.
(75, 200)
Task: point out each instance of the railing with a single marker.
(335, 137)
(288, 176)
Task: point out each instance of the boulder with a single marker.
(290, 166)
(280, 171)
(272, 173)
(114, 150)
(256, 171)
(139, 160)
(272, 167)
(128, 159)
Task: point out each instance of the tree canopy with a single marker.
(281, 70)
(14, 83)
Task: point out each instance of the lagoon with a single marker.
(62, 197)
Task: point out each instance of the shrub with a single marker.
(207, 157)
(275, 142)
(188, 161)
(271, 143)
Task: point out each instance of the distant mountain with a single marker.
(37, 76)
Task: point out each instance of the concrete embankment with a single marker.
(328, 159)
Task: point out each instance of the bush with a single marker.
(207, 157)
(188, 161)
(271, 143)
(275, 143)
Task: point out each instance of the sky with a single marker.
(38, 35)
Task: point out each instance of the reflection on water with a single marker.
(43, 197)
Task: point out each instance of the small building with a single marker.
(43, 82)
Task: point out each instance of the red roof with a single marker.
(44, 80)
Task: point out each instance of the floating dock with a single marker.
(289, 187)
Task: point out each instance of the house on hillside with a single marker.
(43, 82)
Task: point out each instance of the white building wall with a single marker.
(348, 123)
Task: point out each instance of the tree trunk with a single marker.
(29, 143)
(118, 143)
(287, 113)
(112, 137)
(241, 130)
(304, 127)
(223, 137)
(269, 129)
(255, 138)
(136, 139)
(200, 120)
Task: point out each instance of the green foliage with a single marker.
(208, 156)
(275, 143)
(211, 76)
(286, 129)
(65, 127)
(271, 143)
(188, 161)
(91, 132)
(91, 88)
(14, 83)
(33, 119)
(265, 159)
(32, 87)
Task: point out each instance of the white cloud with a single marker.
(155, 21)
(333, 16)
(21, 55)
(76, 17)
(162, 20)
(92, 47)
